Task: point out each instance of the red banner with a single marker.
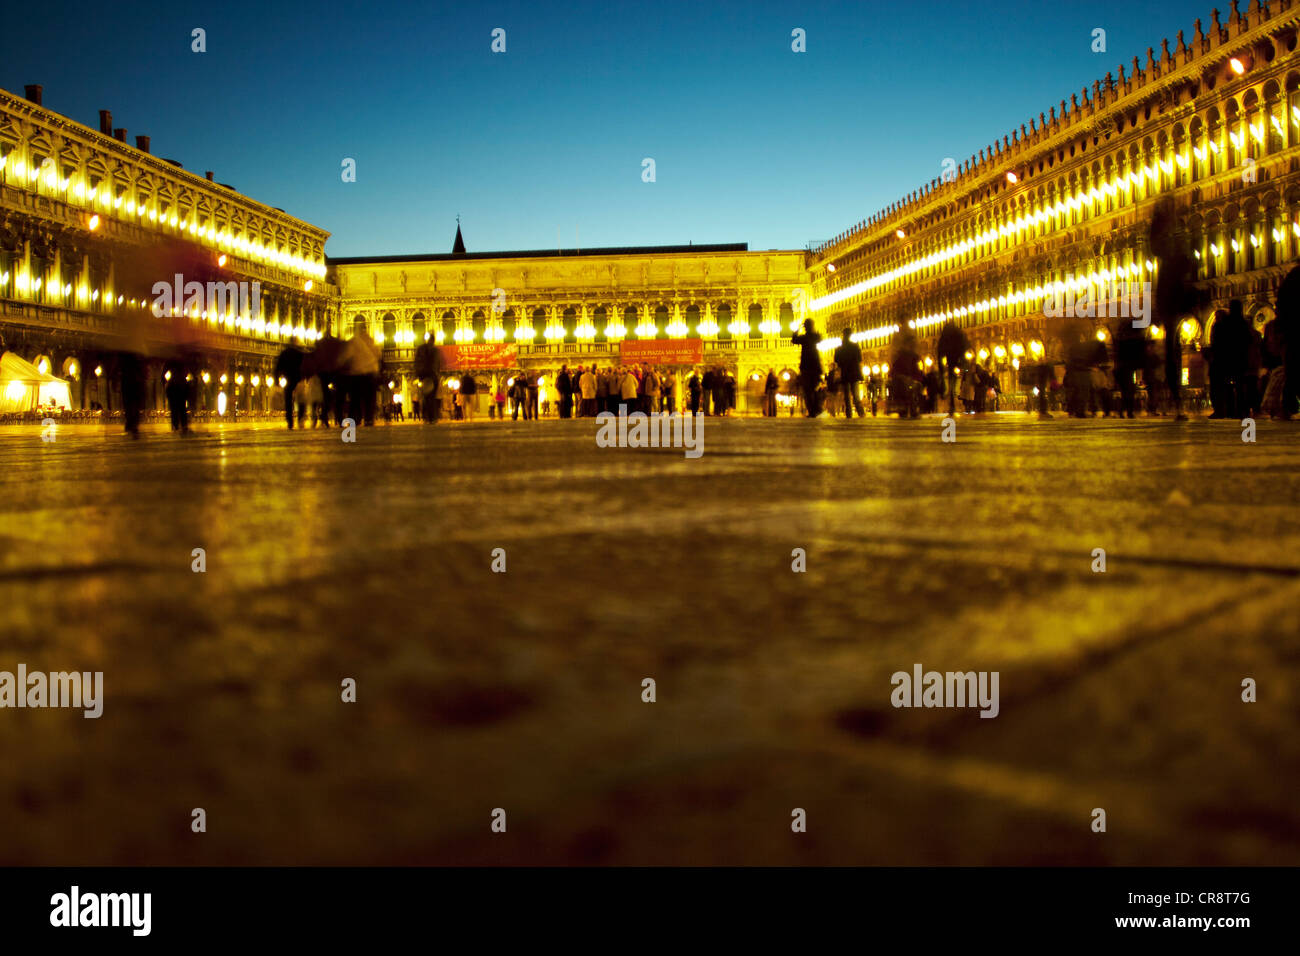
(495, 355)
(662, 351)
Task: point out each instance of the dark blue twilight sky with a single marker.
(752, 142)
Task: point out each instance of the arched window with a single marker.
(479, 324)
(630, 322)
(418, 327)
(692, 320)
(787, 318)
(755, 320)
(599, 319)
(570, 322)
(661, 322)
(448, 327)
(390, 330)
(358, 325)
(724, 321)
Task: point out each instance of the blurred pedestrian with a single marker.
(770, 387)
(178, 392)
(588, 386)
(1175, 291)
(288, 367)
(564, 388)
(810, 366)
(848, 359)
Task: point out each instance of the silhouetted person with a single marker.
(131, 368)
(810, 366)
(1175, 292)
(1130, 357)
(769, 394)
(326, 361)
(952, 348)
(720, 405)
(428, 366)
(1288, 321)
(564, 388)
(848, 358)
(178, 392)
(288, 366)
(905, 376)
(534, 383)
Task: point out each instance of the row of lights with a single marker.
(1034, 294)
(25, 285)
(614, 331)
(30, 175)
(1081, 200)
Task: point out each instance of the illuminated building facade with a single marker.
(88, 225)
(578, 307)
(1065, 204)
(1060, 206)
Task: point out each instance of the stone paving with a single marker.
(522, 690)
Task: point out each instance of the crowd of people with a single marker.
(1115, 372)
(585, 393)
(1244, 371)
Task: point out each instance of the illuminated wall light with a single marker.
(1236, 247)
(221, 259)
(93, 223)
(1237, 66)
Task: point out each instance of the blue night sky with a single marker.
(752, 142)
